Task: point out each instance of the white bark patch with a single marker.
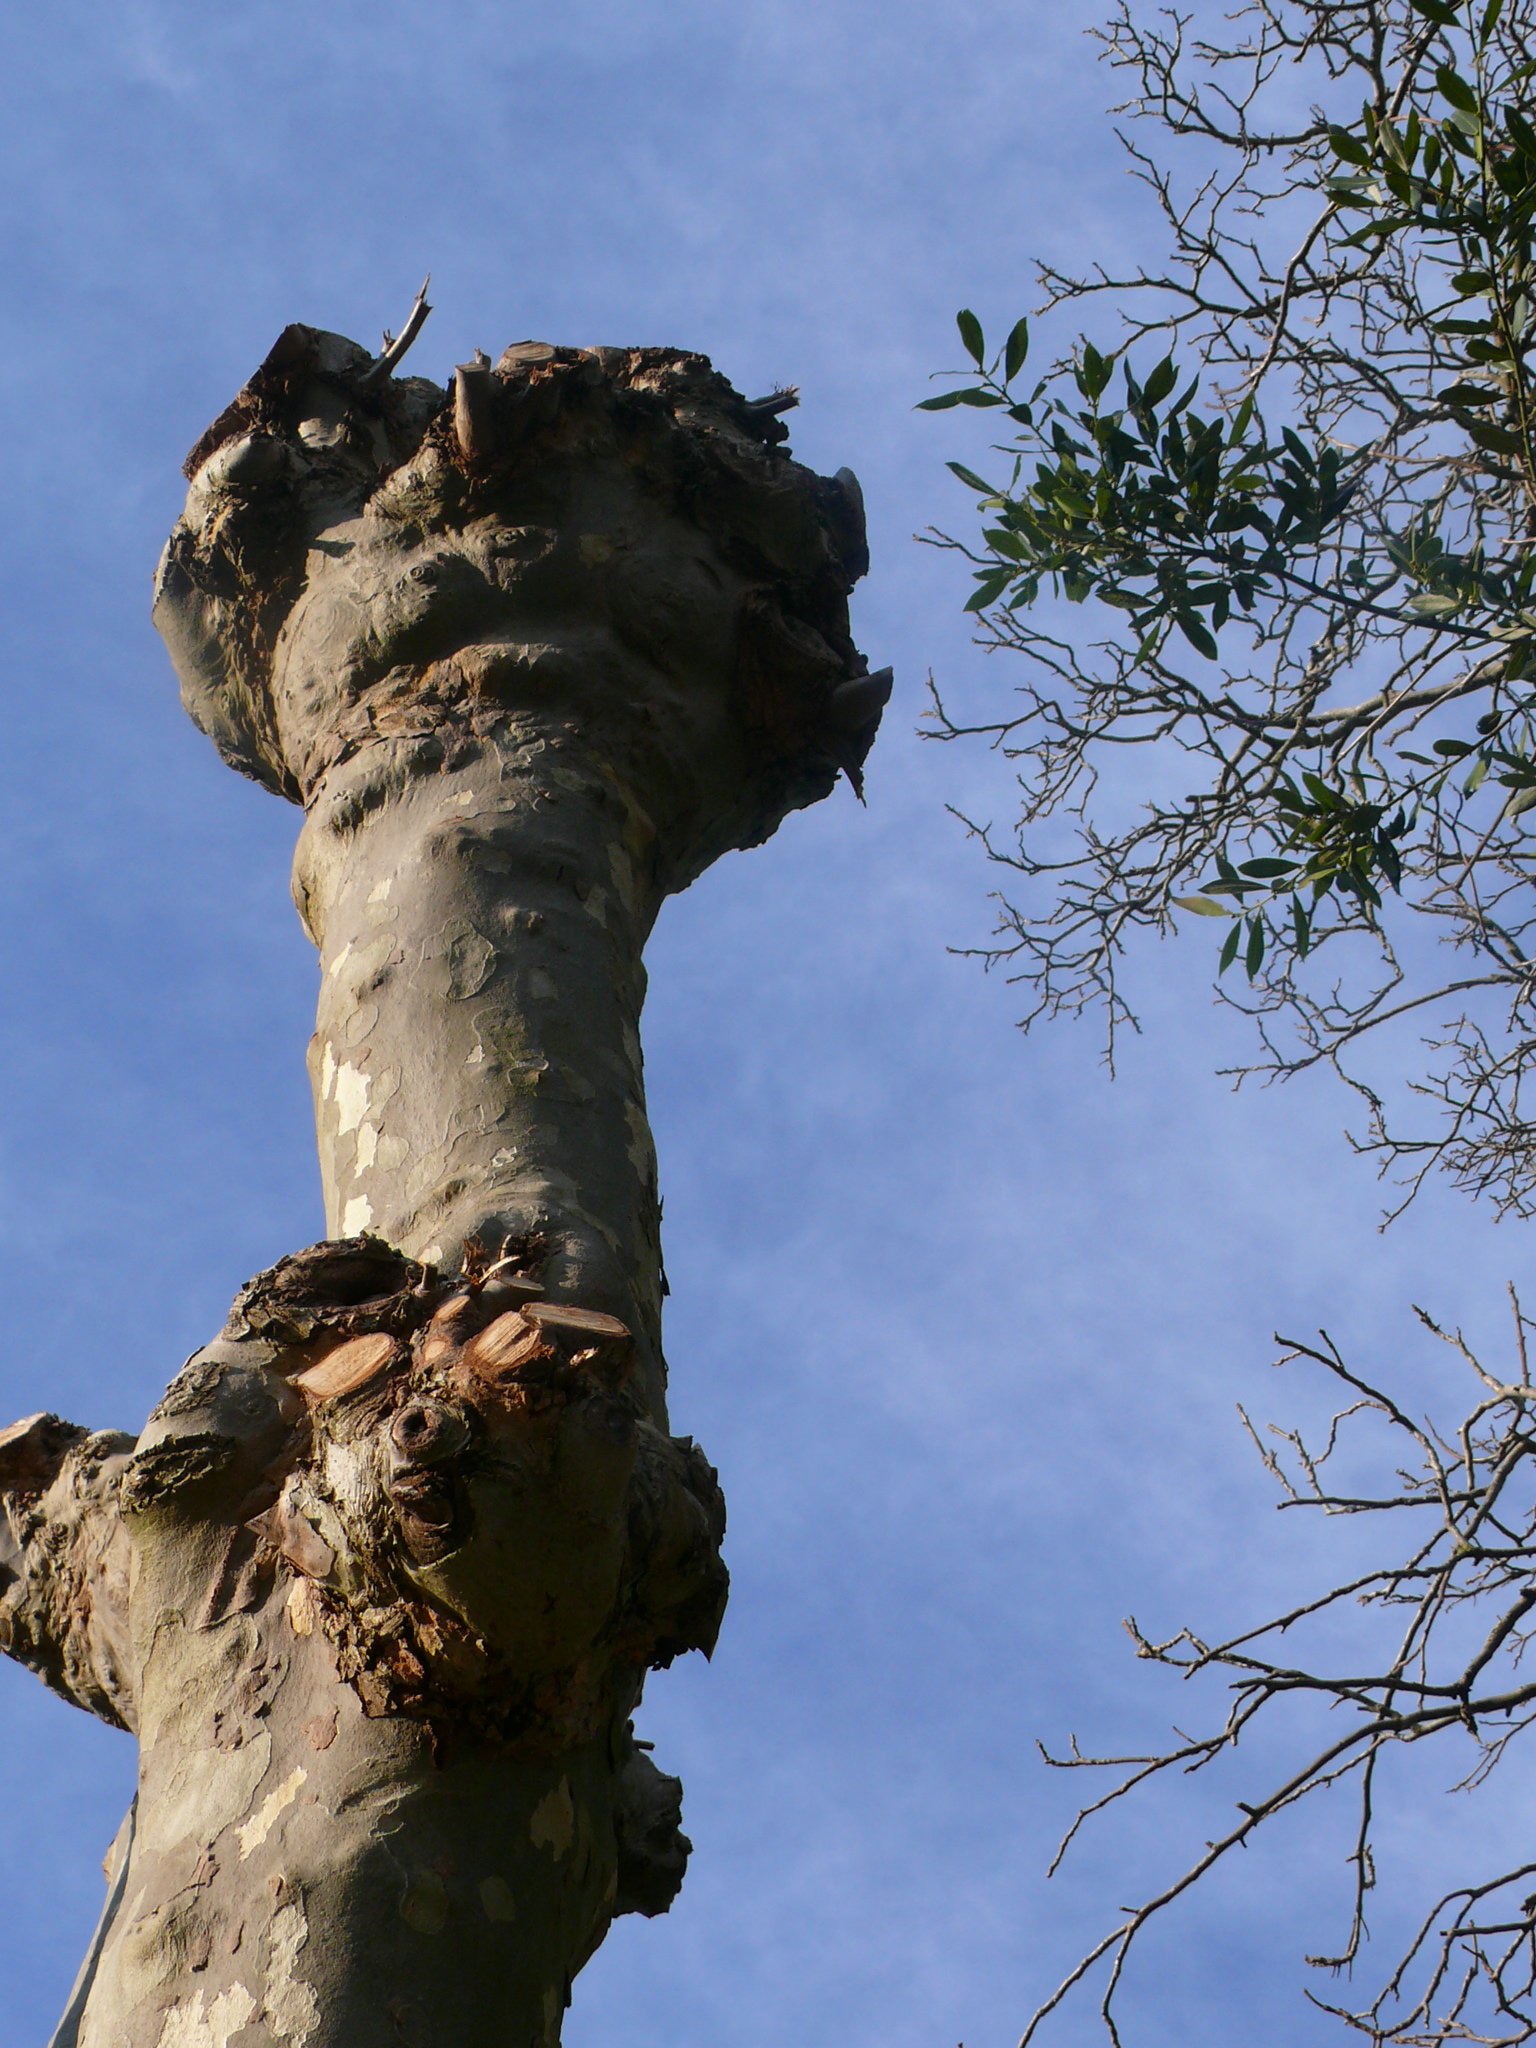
(293, 2010)
(367, 1146)
(327, 1072)
(352, 1088)
(260, 1825)
(208, 2026)
(553, 1825)
(496, 1897)
(303, 1608)
(350, 1482)
(356, 1217)
(362, 963)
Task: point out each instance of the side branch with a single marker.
(64, 1562)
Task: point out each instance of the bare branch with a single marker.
(1426, 1684)
(395, 346)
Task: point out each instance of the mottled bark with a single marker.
(378, 1585)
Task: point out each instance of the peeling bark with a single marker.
(378, 1585)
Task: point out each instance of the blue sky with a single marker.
(962, 1323)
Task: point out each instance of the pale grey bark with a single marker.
(378, 1585)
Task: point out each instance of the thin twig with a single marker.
(395, 347)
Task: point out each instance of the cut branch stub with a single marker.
(346, 537)
(348, 1366)
(532, 653)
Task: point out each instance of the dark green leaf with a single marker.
(1095, 371)
(989, 588)
(942, 403)
(1253, 958)
(975, 482)
(1497, 440)
(1015, 350)
(1298, 448)
(1456, 89)
(1348, 146)
(1229, 950)
(1197, 634)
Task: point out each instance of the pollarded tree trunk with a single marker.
(377, 1586)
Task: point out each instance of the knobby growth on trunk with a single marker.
(377, 1586)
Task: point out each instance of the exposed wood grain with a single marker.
(349, 1366)
(512, 1340)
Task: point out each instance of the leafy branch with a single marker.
(1296, 498)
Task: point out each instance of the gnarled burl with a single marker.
(377, 1587)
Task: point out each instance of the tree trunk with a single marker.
(377, 1587)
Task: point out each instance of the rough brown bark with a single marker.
(377, 1586)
